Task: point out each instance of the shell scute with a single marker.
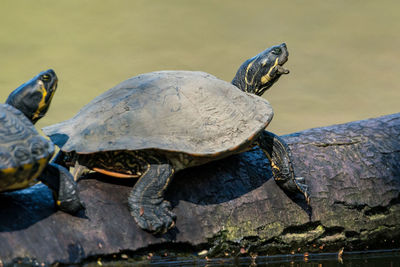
(23, 152)
(176, 111)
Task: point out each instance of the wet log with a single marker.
(230, 206)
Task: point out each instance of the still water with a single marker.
(351, 259)
(344, 55)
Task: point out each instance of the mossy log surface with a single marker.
(232, 205)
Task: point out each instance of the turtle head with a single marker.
(33, 97)
(259, 73)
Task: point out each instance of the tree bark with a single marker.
(231, 206)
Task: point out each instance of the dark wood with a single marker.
(353, 171)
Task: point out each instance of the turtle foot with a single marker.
(302, 187)
(279, 156)
(67, 198)
(155, 218)
(295, 187)
(65, 190)
(70, 205)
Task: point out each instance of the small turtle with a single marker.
(155, 124)
(24, 154)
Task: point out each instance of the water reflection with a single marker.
(383, 258)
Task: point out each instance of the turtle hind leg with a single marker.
(63, 159)
(79, 171)
(279, 155)
(64, 188)
(146, 200)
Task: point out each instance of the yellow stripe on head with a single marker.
(42, 104)
(247, 70)
(266, 78)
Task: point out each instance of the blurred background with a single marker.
(344, 55)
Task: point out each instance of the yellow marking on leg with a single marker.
(273, 165)
(266, 78)
(58, 202)
(266, 154)
(167, 182)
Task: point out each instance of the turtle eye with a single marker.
(45, 78)
(276, 51)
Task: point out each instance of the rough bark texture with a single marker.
(353, 171)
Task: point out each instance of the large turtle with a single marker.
(24, 154)
(158, 123)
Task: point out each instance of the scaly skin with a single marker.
(27, 152)
(146, 201)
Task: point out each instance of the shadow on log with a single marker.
(353, 171)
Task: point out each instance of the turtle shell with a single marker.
(23, 152)
(176, 111)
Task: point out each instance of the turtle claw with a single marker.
(72, 205)
(154, 218)
(65, 190)
(300, 183)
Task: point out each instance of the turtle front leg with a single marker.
(146, 200)
(64, 188)
(279, 156)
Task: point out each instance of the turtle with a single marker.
(155, 124)
(24, 153)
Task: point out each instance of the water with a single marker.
(344, 56)
(350, 259)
